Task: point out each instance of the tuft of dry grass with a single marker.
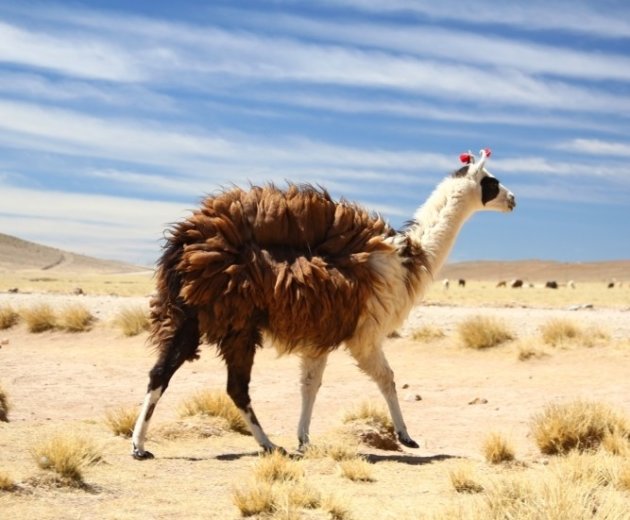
(254, 499)
(67, 455)
(39, 318)
(132, 320)
(372, 425)
(559, 332)
(527, 350)
(371, 413)
(357, 469)
(463, 479)
(623, 481)
(497, 449)
(5, 406)
(427, 333)
(8, 317)
(215, 404)
(276, 466)
(579, 425)
(121, 420)
(481, 332)
(336, 451)
(336, 507)
(6, 482)
(75, 318)
(277, 490)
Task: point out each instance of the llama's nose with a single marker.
(511, 201)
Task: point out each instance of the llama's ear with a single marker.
(476, 168)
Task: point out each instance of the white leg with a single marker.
(373, 362)
(311, 380)
(142, 425)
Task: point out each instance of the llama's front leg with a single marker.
(372, 361)
(311, 380)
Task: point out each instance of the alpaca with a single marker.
(307, 272)
(461, 282)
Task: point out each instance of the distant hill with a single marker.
(539, 271)
(17, 254)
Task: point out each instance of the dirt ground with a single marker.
(62, 382)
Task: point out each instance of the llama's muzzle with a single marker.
(511, 201)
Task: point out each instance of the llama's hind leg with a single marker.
(181, 347)
(238, 349)
(372, 361)
(311, 380)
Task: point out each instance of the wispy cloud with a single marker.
(598, 147)
(604, 19)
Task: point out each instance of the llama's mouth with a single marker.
(511, 202)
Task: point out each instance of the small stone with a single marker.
(478, 400)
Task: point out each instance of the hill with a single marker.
(539, 271)
(17, 254)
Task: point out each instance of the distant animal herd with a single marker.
(518, 283)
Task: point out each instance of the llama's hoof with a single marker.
(142, 455)
(272, 448)
(407, 441)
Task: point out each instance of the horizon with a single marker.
(116, 118)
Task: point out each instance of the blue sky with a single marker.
(116, 117)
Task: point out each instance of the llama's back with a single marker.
(291, 260)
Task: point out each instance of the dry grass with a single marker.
(496, 449)
(372, 425)
(254, 499)
(335, 451)
(427, 334)
(481, 332)
(579, 425)
(562, 332)
(132, 321)
(66, 454)
(275, 467)
(336, 507)
(39, 318)
(6, 482)
(8, 317)
(5, 406)
(464, 480)
(215, 404)
(527, 349)
(277, 490)
(75, 318)
(357, 469)
(623, 481)
(370, 413)
(121, 420)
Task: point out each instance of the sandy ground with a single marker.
(59, 381)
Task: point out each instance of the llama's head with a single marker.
(484, 191)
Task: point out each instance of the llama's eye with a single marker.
(489, 189)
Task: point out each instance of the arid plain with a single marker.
(63, 383)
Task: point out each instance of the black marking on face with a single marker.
(489, 189)
(150, 412)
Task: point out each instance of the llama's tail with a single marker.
(169, 312)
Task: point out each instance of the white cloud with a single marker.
(597, 147)
(602, 19)
(91, 58)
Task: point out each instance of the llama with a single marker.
(446, 283)
(461, 282)
(310, 274)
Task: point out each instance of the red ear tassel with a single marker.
(488, 152)
(466, 157)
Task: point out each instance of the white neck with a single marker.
(439, 220)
